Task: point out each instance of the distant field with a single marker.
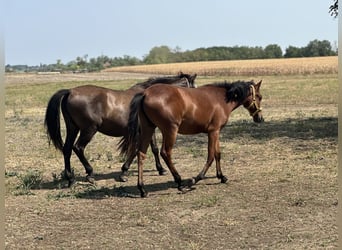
(292, 66)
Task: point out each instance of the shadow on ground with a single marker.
(310, 128)
(304, 129)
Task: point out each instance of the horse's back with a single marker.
(103, 108)
(190, 110)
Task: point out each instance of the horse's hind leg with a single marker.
(169, 139)
(145, 139)
(67, 150)
(128, 162)
(155, 151)
(84, 138)
(125, 167)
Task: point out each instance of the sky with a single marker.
(42, 32)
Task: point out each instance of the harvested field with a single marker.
(262, 67)
(281, 193)
(14, 78)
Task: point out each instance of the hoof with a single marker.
(162, 171)
(187, 185)
(224, 179)
(90, 179)
(143, 194)
(123, 177)
(183, 189)
(190, 182)
(71, 183)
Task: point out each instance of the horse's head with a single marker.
(253, 102)
(189, 80)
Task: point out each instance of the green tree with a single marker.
(81, 63)
(293, 51)
(157, 55)
(273, 51)
(318, 48)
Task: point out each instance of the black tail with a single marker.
(52, 118)
(128, 145)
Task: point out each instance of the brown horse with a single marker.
(88, 109)
(173, 110)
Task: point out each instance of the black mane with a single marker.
(236, 91)
(164, 79)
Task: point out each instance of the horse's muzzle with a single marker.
(258, 118)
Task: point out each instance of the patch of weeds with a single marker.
(283, 180)
(25, 121)
(27, 181)
(77, 191)
(109, 156)
(195, 152)
(143, 221)
(122, 159)
(17, 112)
(93, 192)
(122, 192)
(10, 174)
(59, 195)
(58, 179)
(195, 245)
(208, 201)
(300, 114)
(95, 158)
(299, 202)
(63, 176)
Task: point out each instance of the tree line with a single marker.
(165, 54)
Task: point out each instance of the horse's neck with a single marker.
(135, 89)
(234, 105)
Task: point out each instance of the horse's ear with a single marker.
(258, 84)
(193, 77)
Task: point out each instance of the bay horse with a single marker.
(173, 110)
(89, 109)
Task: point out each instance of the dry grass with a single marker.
(281, 193)
(302, 66)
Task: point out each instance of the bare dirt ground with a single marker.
(281, 193)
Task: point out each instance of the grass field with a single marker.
(281, 193)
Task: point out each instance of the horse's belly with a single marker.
(190, 129)
(114, 130)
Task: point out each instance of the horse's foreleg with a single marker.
(155, 151)
(213, 153)
(201, 174)
(217, 155)
(219, 174)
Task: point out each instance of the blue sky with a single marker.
(41, 31)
